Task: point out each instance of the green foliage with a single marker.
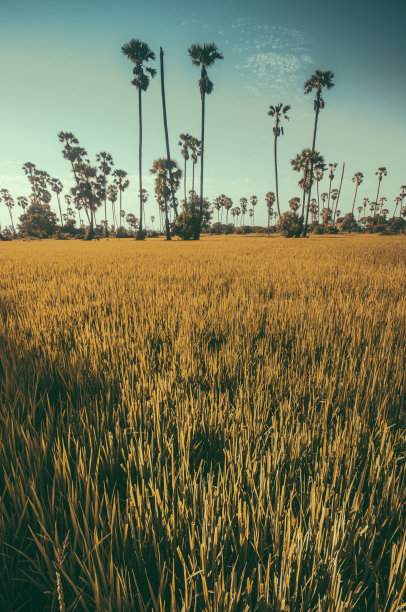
(38, 221)
(289, 224)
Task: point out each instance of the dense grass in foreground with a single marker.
(217, 425)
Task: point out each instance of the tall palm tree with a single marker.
(184, 143)
(203, 56)
(278, 111)
(320, 79)
(106, 164)
(357, 179)
(121, 182)
(380, 173)
(168, 153)
(359, 208)
(402, 194)
(334, 197)
(139, 53)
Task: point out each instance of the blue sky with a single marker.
(62, 69)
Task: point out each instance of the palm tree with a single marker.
(184, 143)
(227, 203)
(380, 173)
(318, 176)
(160, 169)
(196, 151)
(270, 201)
(402, 194)
(168, 153)
(112, 194)
(278, 111)
(8, 200)
(122, 183)
(359, 208)
(254, 202)
(139, 53)
(304, 162)
(106, 163)
(334, 197)
(398, 200)
(203, 56)
(23, 202)
(57, 187)
(357, 179)
(152, 221)
(251, 214)
(331, 177)
(244, 206)
(365, 202)
(320, 79)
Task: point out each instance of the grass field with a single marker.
(214, 426)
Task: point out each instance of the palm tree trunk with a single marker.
(90, 233)
(11, 217)
(168, 155)
(60, 209)
(339, 189)
(316, 118)
(139, 159)
(185, 181)
(167, 227)
(318, 202)
(276, 167)
(199, 223)
(120, 209)
(377, 195)
(105, 217)
(355, 197)
(193, 176)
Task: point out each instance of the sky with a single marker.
(62, 69)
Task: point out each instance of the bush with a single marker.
(289, 224)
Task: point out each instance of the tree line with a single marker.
(98, 185)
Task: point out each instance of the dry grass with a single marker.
(219, 426)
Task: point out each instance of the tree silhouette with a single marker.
(357, 179)
(278, 111)
(8, 200)
(185, 143)
(270, 201)
(203, 56)
(380, 173)
(244, 206)
(332, 168)
(160, 169)
(112, 195)
(57, 187)
(139, 53)
(254, 202)
(121, 182)
(105, 164)
(304, 162)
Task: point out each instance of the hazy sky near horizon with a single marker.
(62, 69)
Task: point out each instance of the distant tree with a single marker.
(357, 179)
(105, 165)
(86, 192)
(398, 200)
(121, 183)
(332, 168)
(254, 202)
(23, 202)
(57, 187)
(349, 222)
(359, 208)
(380, 173)
(203, 56)
(8, 200)
(168, 153)
(326, 216)
(160, 169)
(112, 195)
(318, 176)
(132, 221)
(294, 204)
(38, 221)
(365, 202)
(184, 143)
(196, 151)
(184, 225)
(278, 111)
(228, 204)
(152, 221)
(304, 162)
(140, 54)
(251, 214)
(270, 201)
(289, 224)
(334, 197)
(244, 207)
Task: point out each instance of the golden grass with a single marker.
(218, 425)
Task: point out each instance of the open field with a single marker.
(216, 425)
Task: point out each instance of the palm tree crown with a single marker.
(139, 53)
(318, 80)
